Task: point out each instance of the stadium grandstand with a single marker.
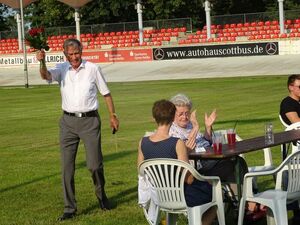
(246, 28)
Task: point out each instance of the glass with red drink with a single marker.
(230, 137)
(217, 143)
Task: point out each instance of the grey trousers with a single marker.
(72, 130)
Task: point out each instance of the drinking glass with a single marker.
(217, 143)
(231, 136)
(269, 135)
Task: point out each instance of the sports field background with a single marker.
(30, 185)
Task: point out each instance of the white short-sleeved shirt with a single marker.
(79, 87)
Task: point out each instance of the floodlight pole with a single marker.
(24, 46)
(77, 20)
(139, 9)
(18, 19)
(207, 8)
(281, 16)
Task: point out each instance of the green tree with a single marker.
(49, 13)
(221, 7)
(4, 17)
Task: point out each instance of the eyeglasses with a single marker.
(185, 114)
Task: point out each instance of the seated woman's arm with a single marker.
(140, 158)
(182, 155)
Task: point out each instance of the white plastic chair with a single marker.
(275, 199)
(294, 126)
(167, 178)
(282, 121)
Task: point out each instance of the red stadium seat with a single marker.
(183, 29)
(260, 23)
(224, 39)
(292, 35)
(297, 21)
(267, 23)
(283, 35)
(181, 42)
(262, 32)
(174, 34)
(288, 22)
(245, 29)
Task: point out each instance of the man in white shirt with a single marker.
(79, 83)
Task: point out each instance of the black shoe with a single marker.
(66, 216)
(104, 204)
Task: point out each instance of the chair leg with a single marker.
(280, 214)
(152, 213)
(194, 216)
(270, 217)
(241, 211)
(171, 218)
(221, 214)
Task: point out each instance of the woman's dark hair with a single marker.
(292, 79)
(163, 111)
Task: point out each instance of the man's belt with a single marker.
(83, 114)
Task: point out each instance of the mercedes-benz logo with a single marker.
(271, 48)
(159, 54)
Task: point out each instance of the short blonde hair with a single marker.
(181, 100)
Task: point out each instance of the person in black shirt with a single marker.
(290, 113)
(290, 107)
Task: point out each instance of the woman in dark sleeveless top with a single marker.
(161, 145)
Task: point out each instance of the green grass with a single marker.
(30, 186)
